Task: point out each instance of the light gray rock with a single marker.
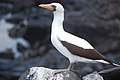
(93, 76)
(41, 73)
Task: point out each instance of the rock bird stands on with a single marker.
(74, 48)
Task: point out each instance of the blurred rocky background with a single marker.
(26, 29)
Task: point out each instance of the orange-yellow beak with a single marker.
(47, 6)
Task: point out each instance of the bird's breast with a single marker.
(58, 45)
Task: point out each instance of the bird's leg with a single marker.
(71, 66)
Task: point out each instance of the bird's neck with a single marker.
(57, 23)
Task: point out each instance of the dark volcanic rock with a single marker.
(22, 5)
(7, 55)
(15, 20)
(36, 34)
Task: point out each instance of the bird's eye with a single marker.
(54, 7)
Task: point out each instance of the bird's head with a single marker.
(55, 7)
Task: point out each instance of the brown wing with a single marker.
(87, 53)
